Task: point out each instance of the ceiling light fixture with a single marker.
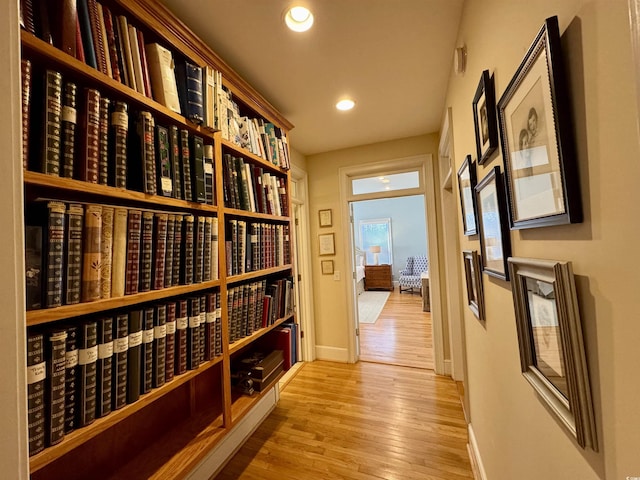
(298, 19)
(346, 104)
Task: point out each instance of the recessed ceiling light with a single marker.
(346, 104)
(298, 19)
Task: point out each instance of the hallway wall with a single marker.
(517, 436)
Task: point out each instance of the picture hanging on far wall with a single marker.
(495, 240)
(484, 117)
(327, 267)
(552, 351)
(327, 245)
(475, 293)
(325, 218)
(466, 185)
(537, 142)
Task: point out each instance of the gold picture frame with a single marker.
(326, 244)
(327, 267)
(325, 217)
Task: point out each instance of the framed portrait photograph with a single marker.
(473, 275)
(552, 351)
(327, 244)
(536, 138)
(484, 117)
(495, 240)
(325, 217)
(466, 184)
(327, 267)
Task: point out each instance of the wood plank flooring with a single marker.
(401, 335)
(364, 421)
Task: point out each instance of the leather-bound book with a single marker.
(72, 371)
(68, 124)
(118, 148)
(89, 155)
(168, 258)
(134, 233)
(55, 350)
(146, 372)
(159, 345)
(73, 253)
(188, 250)
(177, 251)
(120, 354)
(160, 250)
(26, 77)
(146, 251)
(92, 254)
(104, 367)
(174, 156)
(103, 142)
(134, 355)
(197, 172)
(36, 374)
(119, 252)
(185, 159)
(163, 174)
(106, 251)
(51, 123)
(87, 362)
(170, 342)
(182, 325)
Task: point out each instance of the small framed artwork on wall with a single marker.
(327, 244)
(327, 267)
(325, 218)
(466, 185)
(484, 117)
(475, 293)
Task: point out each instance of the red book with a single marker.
(67, 19)
(111, 43)
(160, 250)
(98, 39)
(79, 44)
(145, 65)
(134, 232)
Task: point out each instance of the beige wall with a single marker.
(330, 297)
(516, 435)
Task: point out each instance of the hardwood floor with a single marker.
(364, 421)
(401, 335)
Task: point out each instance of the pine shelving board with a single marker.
(243, 403)
(257, 274)
(254, 158)
(259, 216)
(243, 342)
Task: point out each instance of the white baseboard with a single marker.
(231, 443)
(474, 455)
(332, 354)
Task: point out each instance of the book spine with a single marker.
(210, 327)
(87, 35)
(98, 40)
(165, 181)
(52, 118)
(174, 155)
(55, 253)
(215, 271)
(144, 64)
(159, 345)
(122, 53)
(134, 356)
(119, 252)
(26, 77)
(79, 44)
(106, 253)
(134, 232)
(146, 252)
(206, 247)
(198, 181)
(170, 342)
(104, 380)
(185, 159)
(91, 137)
(182, 326)
(188, 249)
(73, 260)
(26, 16)
(147, 134)
(87, 358)
(168, 259)
(202, 329)
(194, 97)
(199, 250)
(71, 379)
(177, 250)
(119, 132)
(120, 354)
(54, 386)
(218, 325)
(111, 43)
(68, 124)
(146, 374)
(193, 333)
(92, 254)
(103, 142)
(160, 250)
(36, 375)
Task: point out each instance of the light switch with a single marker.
(336, 276)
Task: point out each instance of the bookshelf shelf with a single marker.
(257, 274)
(242, 404)
(259, 216)
(79, 187)
(82, 435)
(47, 315)
(254, 158)
(240, 344)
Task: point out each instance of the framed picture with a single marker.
(475, 294)
(326, 219)
(466, 184)
(484, 117)
(495, 241)
(327, 267)
(536, 138)
(327, 244)
(552, 352)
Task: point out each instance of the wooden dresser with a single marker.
(378, 277)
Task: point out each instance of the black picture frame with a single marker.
(473, 276)
(484, 117)
(536, 138)
(467, 181)
(495, 239)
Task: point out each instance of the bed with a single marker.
(360, 260)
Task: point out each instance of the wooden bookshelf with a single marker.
(240, 344)
(257, 274)
(238, 150)
(234, 212)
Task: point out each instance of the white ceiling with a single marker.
(393, 57)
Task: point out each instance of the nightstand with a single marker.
(378, 277)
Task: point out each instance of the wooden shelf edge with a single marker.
(246, 153)
(46, 315)
(78, 437)
(243, 342)
(262, 216)
(72, 185)
(291, 374)
(40, 47)
(244, 403)
(257, 274)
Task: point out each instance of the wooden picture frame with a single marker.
(466, 184)
(325, 218)
(552, 350)
(473, 275)
(484, 117)
(327, 267)
(536, 137)
(327, 244)
(495, 239)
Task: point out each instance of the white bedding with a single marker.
(359, 273)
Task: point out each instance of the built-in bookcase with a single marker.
(205, 291)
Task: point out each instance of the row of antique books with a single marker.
(253, 246)
(85, 252)
(249, 187)
(82, 134)
(257, 305)
(86, 370)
